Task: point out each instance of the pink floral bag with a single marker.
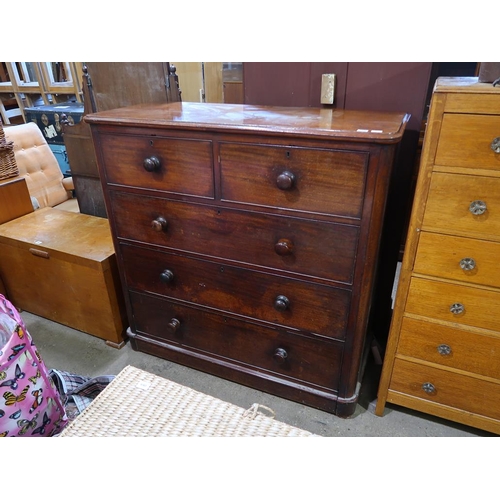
(29, 402)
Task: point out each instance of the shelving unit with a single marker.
(26, 84)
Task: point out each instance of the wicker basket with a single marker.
(8, 165)
(140, 404)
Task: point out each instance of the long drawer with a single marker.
(465, 141)
(302, 179)
(446, 387)
(303, 247)
(463, 259)
(454, 347)
(310, 361)
(183, 166)
(291, 303)
(465, 205)
(460, 304)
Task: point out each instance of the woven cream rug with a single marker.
(140, 404)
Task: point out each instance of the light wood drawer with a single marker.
(452, 389)
(308, 180)
(434, 299)
(463, 259)
(465, 141)
(184, 166)
(448, 206)
(453, 347)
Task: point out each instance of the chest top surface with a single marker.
(383, 127)
(77, 234)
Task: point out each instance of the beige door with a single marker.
(200, 81)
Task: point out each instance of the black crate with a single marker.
(48, 118)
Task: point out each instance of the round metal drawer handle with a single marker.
(495, 145)
(280, 355)
(151, 164)
(167, 276)
(444, 349)
(457, 308)
(477, 207)
(428, 388)
(467, 264)
(281, 303)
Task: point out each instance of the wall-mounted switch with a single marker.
(328, 88)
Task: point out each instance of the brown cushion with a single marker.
(37, 164)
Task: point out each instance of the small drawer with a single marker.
(254, 348)
(465, 205)
(462, 259)
(459, 304)
(467, 140)
(445, 387)
(453, 347)
(298, 246)
(285, 302)
(171, 165)
(309, 180)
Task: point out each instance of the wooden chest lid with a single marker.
(72, 237)
(330, 123)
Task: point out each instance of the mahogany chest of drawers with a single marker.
(247, 238)
(443, 354)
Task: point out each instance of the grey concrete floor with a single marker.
(66, 349)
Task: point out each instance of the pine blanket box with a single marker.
(62, 266)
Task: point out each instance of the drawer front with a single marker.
(449, 208)
(452, 389)
(184, 166)
(256, 348)
(290, 303)
(465, 141)
(310, 180)
(463, 259)
(453, 347)
(454, 303)
(294, 245)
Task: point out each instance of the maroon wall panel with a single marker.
(393, 86)
(290, 83)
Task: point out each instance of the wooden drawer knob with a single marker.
(281, 303)
(284, 247)
(167, 276)
(151, 164)
(173, 325)
(159, 224)
(495, 145)
(285, 180)
(280, 355)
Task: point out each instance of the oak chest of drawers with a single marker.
(443, 353)
(247, 238)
